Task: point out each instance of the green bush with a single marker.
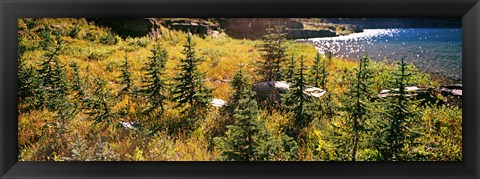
(109, 39)
(98, 53)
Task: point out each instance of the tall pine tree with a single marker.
(27, 84)
(357, 104)
(241, 138)
(53, 86)
(273, 51)
(126, 76)
(99, 103)
(155, 82)
(239, 83)
(290, 71)
(393, 133)
(190, 91)
(348, 132)
(298, 102)
(318, 72)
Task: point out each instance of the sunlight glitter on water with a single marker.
(437, 51)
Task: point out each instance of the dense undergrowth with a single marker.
(97, 81)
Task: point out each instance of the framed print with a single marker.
(185, 89)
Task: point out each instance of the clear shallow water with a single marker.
(432, 50)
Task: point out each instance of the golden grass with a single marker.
(222, 56)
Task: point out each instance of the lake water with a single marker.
(437, 51)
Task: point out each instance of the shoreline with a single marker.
(440, 79)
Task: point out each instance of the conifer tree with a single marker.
(126, 76)
(357, 104)
(98, 104)
(77, 81)
(155, 86)
(318, 72)
(241, 138)
(26, 82)
(190, 91)
(248, 139)
(53, 86)
(290, 71)
(60, 88)
(394, 133)
(298, 102)
(77, 86)
(273, 51)
(239, 83)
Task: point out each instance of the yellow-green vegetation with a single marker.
(96, 119)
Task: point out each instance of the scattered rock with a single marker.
(314, 92)
(130, 125)
(218, 102)
(193, 25)
(451, 90)
(450, 95)
(270, 92)
(453, 94)
(422, 94)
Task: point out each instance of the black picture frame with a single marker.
(11, 10)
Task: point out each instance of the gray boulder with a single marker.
(270, 92)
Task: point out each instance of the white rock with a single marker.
(411, 88)
(128, 124)
(314, 92)
(384, 91)
(457, 92)
(218, 102)
(281, 84)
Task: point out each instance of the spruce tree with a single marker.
(357, 103)
(155, 86)
(318, 72)
(239, 84)
(393, 133)
(190, 91)
(273, 51)
(77, 81)
(290, 71)
(60, 85)
(53, 86)
(27, 83)
(299, 103)
(98, 104)
(241, 138)
(126, 77)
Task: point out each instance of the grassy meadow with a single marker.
(72, 132)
